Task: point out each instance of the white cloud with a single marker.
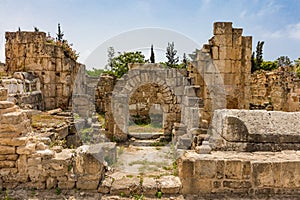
(293, 31)
(273, 35)
(270, 7)
(243, 14)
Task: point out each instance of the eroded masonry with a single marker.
(235, 133)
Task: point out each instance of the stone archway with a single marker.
(147, 95)
(173, 86)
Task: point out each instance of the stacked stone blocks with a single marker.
(30, 52)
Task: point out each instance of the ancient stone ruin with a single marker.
(229, 133)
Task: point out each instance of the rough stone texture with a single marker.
(126, 186)
(24, 89)
(248, 174)
(29, 163)
(169, 185)
(3, 94)
(219, 78)
(255, 130)
(84, 93)
(167, 87)
(222, 70)
(277, 90)
(29, 51)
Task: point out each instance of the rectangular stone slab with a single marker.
(248, 128)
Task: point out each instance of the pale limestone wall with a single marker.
(29, 162)
(179, 99)
(103, 93)
(222, 70)
(23, 89)
(83, 95)
(244, 175)
(29, 51)
(276, 90)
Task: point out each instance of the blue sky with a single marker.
(88, 23)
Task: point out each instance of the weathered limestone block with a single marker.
(126, 186)
(87, 184)
(222, 28)
(67, 185)
(3, 94)
(7, 150)
(62, 131)
(105, 186)
(104, 152)
(13, 157)
(150, 186)
(215, 52)
(6, 104)
(12, 141)
(245, 129)
(89, 167)
(22, 164)
(51, 183)
(240, 172)
(169, 184)
(205, 169)
(7, 164)
(37, 173)
(28, 149)
(237, 36)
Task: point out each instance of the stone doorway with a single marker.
(144, 86)
(148, 106)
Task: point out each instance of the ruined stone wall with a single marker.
(84, 94)
(178, 98)
(23, 89)
(103, 94)
(30, 51)
(276, 90)
(30, 162)
(145, 96)
(222, 70)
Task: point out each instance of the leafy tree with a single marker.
(94, 72)
(59, 34)
(171, 55)
(257, 59)
(268, 65)
(184, 61)
(152, 57)
(259, 52)
(110, 55)
(193, 55)
(120, 63)
(283, 61)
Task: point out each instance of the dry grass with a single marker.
(45, 120)
(144, 128)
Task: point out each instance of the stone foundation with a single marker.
(33, 162)
(246, 175)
